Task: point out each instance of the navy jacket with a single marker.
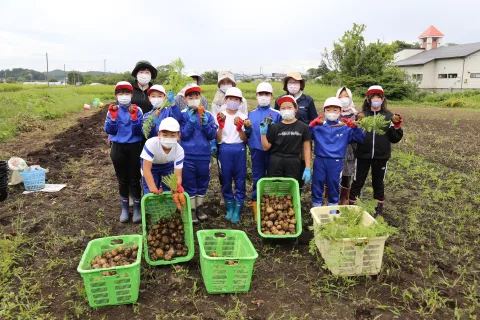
(256, 116)
(124, 129)
(195, 137)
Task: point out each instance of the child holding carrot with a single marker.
(162, 156)
(152, 119)
(232, 157)
(124, 127)
(198, 130)
(331, 138)
(260, 158)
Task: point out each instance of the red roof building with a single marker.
(431, 32)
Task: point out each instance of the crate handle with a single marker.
(220, 234)
(275, 181)
(116, 241)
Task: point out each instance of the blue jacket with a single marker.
(257, 116)
(195, 137)
(332, 142)
(173, 112)
(124, 130)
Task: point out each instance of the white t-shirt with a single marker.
(230, 133)
(153, 152)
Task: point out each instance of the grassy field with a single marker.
(430, 268)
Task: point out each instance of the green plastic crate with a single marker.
(279, 187)
(121, 288)
(162, 206)
(230, 245)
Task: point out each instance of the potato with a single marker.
(270, 210)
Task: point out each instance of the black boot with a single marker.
(379, 209)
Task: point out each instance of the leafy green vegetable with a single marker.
(376, 123)
(176, 79)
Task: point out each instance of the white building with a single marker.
(442, 68)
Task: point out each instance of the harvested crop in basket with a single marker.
(278, 215)
(177, 197)
(166, 239)
(115, 258)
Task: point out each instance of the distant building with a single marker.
(442, 68)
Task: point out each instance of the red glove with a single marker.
(133, 109)
(397, 121)
(221, 122)
(113, 111)
(239, 125)
(318, 121)
(349, 122)
(179, 188)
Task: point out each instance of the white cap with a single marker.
(226, 75)
(169, 124)
(234, 92)
(375, 90)
(157, 87)
(194, 74)
(332, 102)
(264, 87)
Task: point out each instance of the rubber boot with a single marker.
(325, 196)
(344, 195)
(200, 214)
(237, 212)
(230, 204)
(378, 209)
(125, 214)
(193, 206)
(137, 211)
(254, 206)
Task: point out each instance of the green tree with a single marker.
(49, 80)
(400, 45)
(210, 77)
(73, 78)
(322, 70)
(21, 79)
(162, 73)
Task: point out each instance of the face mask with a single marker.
(124, 100)
(293, 88)
(168, 143)
(377, 104)
(263, 101)
(193, 103)
(287, 114)
(143, 78)
(345, 102)
(332, 116)
(225, 87)
(233, 105)
(156, 102)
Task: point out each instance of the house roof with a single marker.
(447, 52)
(431, 32)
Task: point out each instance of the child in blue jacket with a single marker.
(196, 134)
(124, 126)
(331, 137)
(260, 158)
(152, 119)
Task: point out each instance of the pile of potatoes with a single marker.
(166, 239)
(278, 216)
(115, 258)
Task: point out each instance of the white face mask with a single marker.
(143, 78)
(225, 87)
(345, 102)
(124, 100)
(287, 114)
(332, 116)
(293, 88)
(193, 103)
(233, 105)
(377, 104)
(168, 143)
(156, 102)
(263, 101)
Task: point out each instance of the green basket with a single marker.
(121, 288)
(230, 245)
(162, 206)
(279, 187)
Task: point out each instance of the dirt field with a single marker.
(430, 270)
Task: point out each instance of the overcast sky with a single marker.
(241, 36)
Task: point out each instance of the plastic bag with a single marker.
(95, 102)
(17, 165)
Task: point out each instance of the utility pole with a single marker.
(104, 67)
(65, 75)
(46, 75)
(73, 76)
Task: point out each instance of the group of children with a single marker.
(280, 142)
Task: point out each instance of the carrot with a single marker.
(176, 200)
(201, 111)
(182, 199)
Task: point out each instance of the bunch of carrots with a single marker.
(177, 197)
(201, 112)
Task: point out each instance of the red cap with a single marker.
(375, 90)
(193, 89)
(124, 85)
(287, 98)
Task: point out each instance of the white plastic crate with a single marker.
(349, 257)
